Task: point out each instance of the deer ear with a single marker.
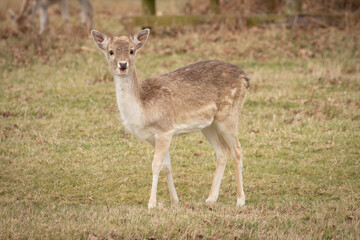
(100, 39)
(140, 38)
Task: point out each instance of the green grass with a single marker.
(69, 170)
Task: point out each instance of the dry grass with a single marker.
(68, 170)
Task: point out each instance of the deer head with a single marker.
(21, 20)
(120, 52)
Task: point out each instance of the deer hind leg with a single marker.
(222, 153)
(167, 170)
(229, 134)
(162, 144)
(32, 13)
(64, 7)
(43, 18)
(86, 14)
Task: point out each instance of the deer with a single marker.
(205, 96)
(25, 19)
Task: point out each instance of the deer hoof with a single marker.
(240, 201)
(211, 200)
(151, 205)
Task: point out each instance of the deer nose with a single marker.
(123, 65)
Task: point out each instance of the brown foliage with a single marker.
(248, 7)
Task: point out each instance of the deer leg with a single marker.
(64, 7)
(86, 13)
(90, 15)
(167, 169)
(32, 14)
(43, 18)
(162, 144)
(236, 153)
(222, 153)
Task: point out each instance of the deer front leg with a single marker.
(167, 169)
(162, 144)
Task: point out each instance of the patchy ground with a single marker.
(69, 170)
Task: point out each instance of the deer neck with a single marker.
(128, 100)
(127, 85)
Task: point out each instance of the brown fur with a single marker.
(196, 85)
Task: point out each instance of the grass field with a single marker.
(69, 170)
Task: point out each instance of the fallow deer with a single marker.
(29, 9)
(21, 20)
(205, 96)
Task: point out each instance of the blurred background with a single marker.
(333, 12)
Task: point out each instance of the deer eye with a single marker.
(111, 52)
(131, 51)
